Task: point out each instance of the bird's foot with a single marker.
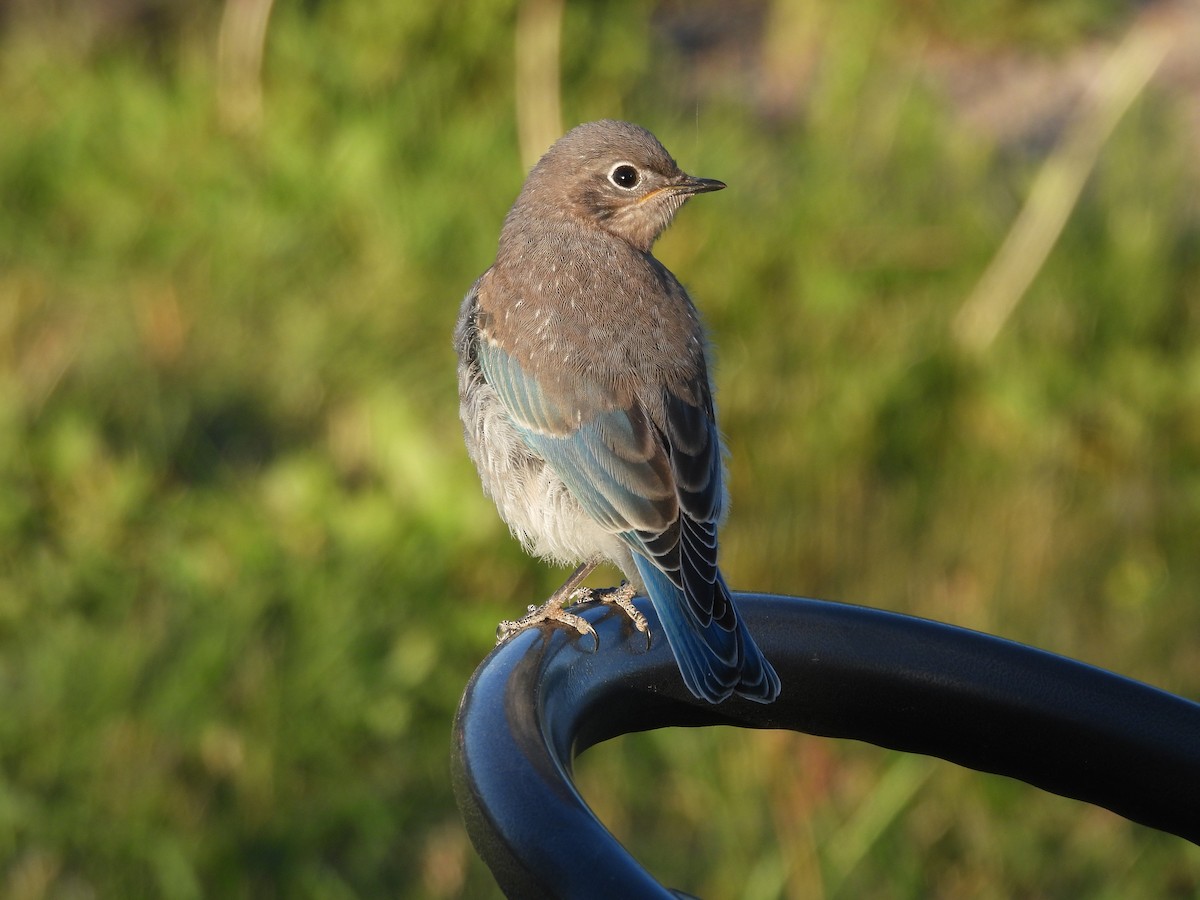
(623, 597)
(550, 611)
(553, 610)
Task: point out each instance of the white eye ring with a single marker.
(625, 176)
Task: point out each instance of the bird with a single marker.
(587, 406)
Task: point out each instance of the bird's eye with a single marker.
(624, 176)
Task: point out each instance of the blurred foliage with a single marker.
(246, 570)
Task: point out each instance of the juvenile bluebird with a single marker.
(586, 403)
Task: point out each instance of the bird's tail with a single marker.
(716, 661)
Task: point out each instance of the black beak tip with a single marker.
(690, 184)
(704, 185)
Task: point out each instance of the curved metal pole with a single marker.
(543, 697)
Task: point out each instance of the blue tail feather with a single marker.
(715, 661)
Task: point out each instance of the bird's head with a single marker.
(614, 176)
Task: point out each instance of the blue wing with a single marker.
(609, 458)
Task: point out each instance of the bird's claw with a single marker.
(550, 611)
(623, 597)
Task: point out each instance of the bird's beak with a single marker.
(690, 184)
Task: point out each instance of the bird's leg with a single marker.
(552, 610)
(623, 597)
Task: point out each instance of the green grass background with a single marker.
(245, 566)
